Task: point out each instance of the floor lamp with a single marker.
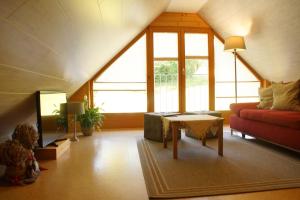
(75, 108)
(234, 44)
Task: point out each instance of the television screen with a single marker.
(49, 115)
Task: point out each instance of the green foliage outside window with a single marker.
(166, 71)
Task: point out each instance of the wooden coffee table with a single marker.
(201, 124)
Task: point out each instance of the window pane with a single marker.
(244, 89)
(165, 45)
(253, 99)
(224, 63)
(166, 86)
(247, 83)
(120, 86)
(223, 103)
(243, 72)
(126, 77)
(196, 44)
(121, 101)
(224, 89)
(196, 84)
(248, 89)
(129, 67)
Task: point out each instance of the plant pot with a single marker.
(87, 131)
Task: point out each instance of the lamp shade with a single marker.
(75, 108)
(234, 43)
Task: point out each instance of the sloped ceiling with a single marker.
(60, 44)
(271, 29)
(185, 6)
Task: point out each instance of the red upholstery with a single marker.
(276, 134)
(281, 118)
(237, 107)
(275, 126)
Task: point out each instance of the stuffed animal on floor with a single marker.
(18, 157)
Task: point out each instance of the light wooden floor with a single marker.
(105, 166)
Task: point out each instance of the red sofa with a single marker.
(278, 127)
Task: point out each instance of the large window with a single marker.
(247, 83)
(165, 46)
(122, 86)
(196, 71)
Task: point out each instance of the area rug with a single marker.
(245, 167)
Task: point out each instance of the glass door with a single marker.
(196, 72)
(166, 95)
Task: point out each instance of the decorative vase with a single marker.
(87, 131)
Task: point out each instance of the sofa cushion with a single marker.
(237, 107)
(265, 98)
(289, 119)
(286, 96)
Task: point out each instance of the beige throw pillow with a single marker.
(265, 98)
(286, 96)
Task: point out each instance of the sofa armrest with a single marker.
(237, 107)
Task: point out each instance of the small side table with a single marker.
(182, 121)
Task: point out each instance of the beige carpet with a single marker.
(246, 166)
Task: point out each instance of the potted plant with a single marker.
(92, 119)
(61, 117)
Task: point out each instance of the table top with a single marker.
(192, 118)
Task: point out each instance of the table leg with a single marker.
(220, 138)
(165, 141)
(174, 134)
(204, 140)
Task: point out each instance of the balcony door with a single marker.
(196, 71)
(180, 62)
(166, 79)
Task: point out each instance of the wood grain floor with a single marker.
(105, 166)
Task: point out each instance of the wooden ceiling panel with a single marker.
(7, 99)
(23, 111)
(21, 50)
(18, 81)
(65, 38)
(7, 7)
(47, 23)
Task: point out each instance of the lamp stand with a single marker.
(235, 76)
(74, 138)
(234, 44)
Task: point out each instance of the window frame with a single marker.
(181, 64)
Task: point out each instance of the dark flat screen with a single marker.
(47, 103)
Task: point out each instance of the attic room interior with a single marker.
(142, 99)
